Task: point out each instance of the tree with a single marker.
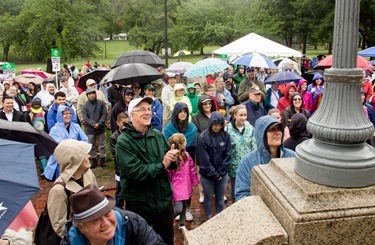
(367, 23)
(7, 26)
(64, 24)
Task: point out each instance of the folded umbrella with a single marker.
(18, 179)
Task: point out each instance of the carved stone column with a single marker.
(337, 155)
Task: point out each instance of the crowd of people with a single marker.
(166, 137)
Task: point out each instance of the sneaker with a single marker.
(183, 229)
(189, 216)
(201, 198)
(225, 199)
(177, 218)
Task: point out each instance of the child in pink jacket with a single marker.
(183, 178)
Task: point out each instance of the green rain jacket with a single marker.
(144, 181)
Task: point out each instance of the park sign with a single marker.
(9, 70)
(223, 57)
(55, 58)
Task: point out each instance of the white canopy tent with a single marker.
(255, 43)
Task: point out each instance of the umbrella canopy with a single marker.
(139, 56)
(18, 179)
(327, 63)
(372, 62)
(205, 67)
(97, 75)
(284, 77)
(369, 52)
(24, 132)
(286, 63)
(181, 53)
(179, 67)
(255, 59)
(128, 74)
(27, 78)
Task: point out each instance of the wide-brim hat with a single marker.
(89, 204)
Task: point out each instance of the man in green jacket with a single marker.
(143, 156)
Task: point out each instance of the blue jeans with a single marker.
(210, 188)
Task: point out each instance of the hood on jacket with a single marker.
(125, 90)
(178, 86)
(188, 93)
(260, 129)
(70, 153)
(317, 76)
(216, 118)
(300, 82)
(287, 87)
(179, 106)
(202, 98)
(297, 126)
(59, 115)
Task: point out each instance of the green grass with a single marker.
(110, 50)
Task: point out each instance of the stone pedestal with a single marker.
(248, 221)
(312, 213)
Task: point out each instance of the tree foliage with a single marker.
(33, 27)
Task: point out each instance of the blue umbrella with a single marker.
(284, 77)
(205, 67)
(369, 52)
(18, 179)
(255, 59)
(372, 62)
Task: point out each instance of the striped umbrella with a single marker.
(205, 67)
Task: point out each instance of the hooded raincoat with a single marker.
(193, 97)
(69, 157)
(200, 119)
(59, 133)
(284, 102)
(298, 131)
(260, 156)
(214, 150)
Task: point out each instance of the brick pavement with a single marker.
(40, 199)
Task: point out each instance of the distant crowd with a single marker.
(166, 137)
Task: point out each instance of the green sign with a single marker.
(223, 56)
(55, 53)
(9, 66)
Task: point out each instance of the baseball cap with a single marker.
(90, 82)
(272, 125)
(250, 68)
(36, 106)
(133, 103)
(255, 90)
(149, 87)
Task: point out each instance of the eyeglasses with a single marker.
(67, 114)
(297, 99)
(143, 109)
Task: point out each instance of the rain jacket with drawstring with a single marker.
(144, 181)
(314, 90)
(69, 154)
(52, 115)
(60, 133)
(257, 157)
(174, 99)
(214, 149)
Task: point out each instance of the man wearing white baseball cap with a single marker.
(143, 156)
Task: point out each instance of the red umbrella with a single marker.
(327, 62)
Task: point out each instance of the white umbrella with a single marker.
(179, 67)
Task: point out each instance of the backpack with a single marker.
(44, 233)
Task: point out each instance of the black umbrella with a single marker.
(128, 74)
(24, 132)
(139, 56)
(97, 75)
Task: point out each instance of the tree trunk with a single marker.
(6, 52)
(202, 53)
(304, 44)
